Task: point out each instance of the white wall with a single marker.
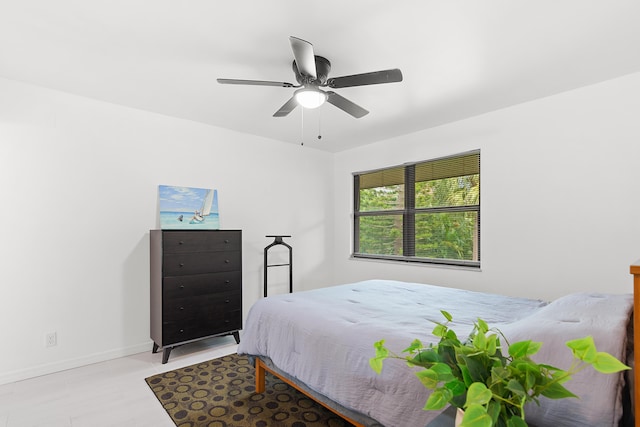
(79, 195)
(560, 209)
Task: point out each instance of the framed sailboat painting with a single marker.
(183, 208)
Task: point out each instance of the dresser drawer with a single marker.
(204, 308)
(176, 332)
(201, 284)
(177, 264)
(200, 241)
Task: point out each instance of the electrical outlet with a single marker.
(51, 339)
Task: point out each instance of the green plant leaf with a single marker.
(466, 376)
(556, 373)
(415, 345)
(493, 410)
(380, 349)
(479, 367)
(476, 416)
(499, 373)
(492, 344)
(376, 365)
(516, 421)
(478, 394)
(451, 335)
(515, 387)
(447, 353)
(456, 386)
(439, 330)
(428, 378)
(444, 371)
(480, 341)
(482, 326)
(530, 378)
(438, 399)
(446, 315)
(425, 357)
(526, 367)
(607, 364)
(583, 348)
(381, 354)
(556, 390)
(524, 348)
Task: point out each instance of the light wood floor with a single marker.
(106, 394)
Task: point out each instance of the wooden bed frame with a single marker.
(262, 368)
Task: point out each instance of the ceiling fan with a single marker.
(311, 72)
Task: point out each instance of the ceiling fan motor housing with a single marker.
(323, 66)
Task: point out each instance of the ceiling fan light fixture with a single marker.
(310, 98)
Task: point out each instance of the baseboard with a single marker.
(63, 365)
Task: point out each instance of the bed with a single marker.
(320, 342)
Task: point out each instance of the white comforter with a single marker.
(324, 338)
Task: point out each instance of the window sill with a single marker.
(447, 264)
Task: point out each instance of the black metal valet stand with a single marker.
(278, 241)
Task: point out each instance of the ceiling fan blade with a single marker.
(373, 78)
(254, 83)
(305, 58)
(286, 108)
(345, 105)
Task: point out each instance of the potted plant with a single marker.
(491, 387)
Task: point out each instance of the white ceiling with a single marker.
(459, 58)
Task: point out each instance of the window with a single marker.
(420, 212)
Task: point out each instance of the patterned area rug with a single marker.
(221, 393)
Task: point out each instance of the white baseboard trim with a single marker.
(63, 365)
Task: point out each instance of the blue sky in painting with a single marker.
(183, 199)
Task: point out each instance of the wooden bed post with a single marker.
(260, 376)
(635, 270)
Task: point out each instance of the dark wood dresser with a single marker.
(196, 286)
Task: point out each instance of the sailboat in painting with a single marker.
(205, 210)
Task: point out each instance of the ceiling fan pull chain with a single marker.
(319, 125)
(302, 126)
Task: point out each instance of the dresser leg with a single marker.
(165, 354)
(236, 336)
(155, 348)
